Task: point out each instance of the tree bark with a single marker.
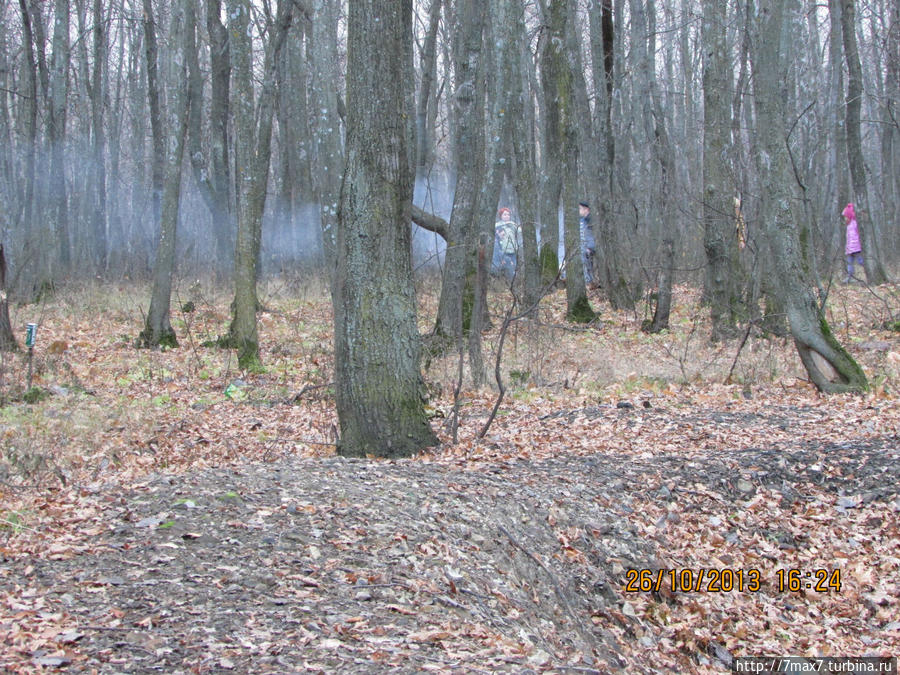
(99, 216)
(610, 265)
(253, 150)
(828, 364)
(455, 304)
(158, 328)
(59, 94)
(326, 123)
(560, 63)
(211, 170)
(875, 273)
(424, 149)
(30, 77)
(720, 240)
(157, 162)
(379, 388)
(7, 339)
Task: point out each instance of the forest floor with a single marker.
(161, 511)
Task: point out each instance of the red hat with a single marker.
(504, 210)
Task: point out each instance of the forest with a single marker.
(448, 335)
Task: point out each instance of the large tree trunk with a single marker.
(719, 237)
(379, 388)
(522, 145)
(890, 140)
(157, 162)
(220, 183)
(828, 364)
(838, 157)
(665, 215)
(295, 149)
(875, 273)
(29, 113)
(558, 81)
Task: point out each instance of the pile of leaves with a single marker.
(163, 511)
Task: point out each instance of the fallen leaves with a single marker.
(609, 424)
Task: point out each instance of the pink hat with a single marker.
(848, 212)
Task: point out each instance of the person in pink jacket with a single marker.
(853, 249)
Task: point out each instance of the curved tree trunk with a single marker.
(379, 388)
(828, 364)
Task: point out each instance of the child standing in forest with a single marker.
(853, 249)
(507, 243)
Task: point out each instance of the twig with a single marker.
(507, 320)
(497, 374)
(308, 387)
(739, 349)
(556, 587)
(116, 629)
(308, 441)
(19, 526)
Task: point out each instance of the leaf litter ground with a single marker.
(155, 523)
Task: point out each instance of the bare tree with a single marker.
(98, 130)
(157, 327)
(875, 273)
(253, 150)
(457, 288)
(828, 364)
(211, 168)
(326, 123)
(378, 384)
(720, 239)
(425, 102)
(58, 95)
